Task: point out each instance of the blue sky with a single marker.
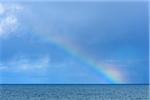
(74, 42)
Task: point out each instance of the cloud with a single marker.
(26, 64)
(8, 24)
(2, 9)
(9, 20)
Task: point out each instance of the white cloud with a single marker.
(8, 19)
(9, 23)
(26, 64)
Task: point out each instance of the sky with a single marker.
(74, 43)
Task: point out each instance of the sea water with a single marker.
(74, 92)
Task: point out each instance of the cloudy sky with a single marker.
(74, 42)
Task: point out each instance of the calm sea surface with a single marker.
(74, 92)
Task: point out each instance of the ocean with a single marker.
(74, 92)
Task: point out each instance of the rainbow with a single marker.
(109, 74)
